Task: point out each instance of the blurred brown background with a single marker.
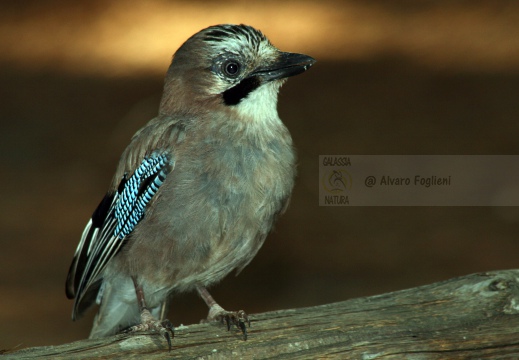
(393, 77)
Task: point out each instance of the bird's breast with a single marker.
(216, 207)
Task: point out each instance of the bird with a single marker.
(196, 191)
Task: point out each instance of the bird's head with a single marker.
(234, 66)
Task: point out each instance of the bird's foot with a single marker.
(149, 323)
(238, 318)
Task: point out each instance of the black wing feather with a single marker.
(106, 232)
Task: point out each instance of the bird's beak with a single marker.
(285, 65)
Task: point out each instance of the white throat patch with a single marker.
(260, 106)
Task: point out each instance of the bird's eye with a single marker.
(231, 68)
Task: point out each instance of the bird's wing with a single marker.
(111, 223)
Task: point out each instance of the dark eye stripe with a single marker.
(234, 95)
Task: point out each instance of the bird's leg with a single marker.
(216, 312)
(148, 322)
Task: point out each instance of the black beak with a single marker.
(286, 65)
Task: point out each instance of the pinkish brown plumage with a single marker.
(197, 189)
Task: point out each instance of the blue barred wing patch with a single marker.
(137, 192)
(114, 219)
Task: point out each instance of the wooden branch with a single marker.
(471, 317)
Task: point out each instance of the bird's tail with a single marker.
(118, 308)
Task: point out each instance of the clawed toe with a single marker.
(149, 323)
(166, 330)
(238, 318)
(216, 312)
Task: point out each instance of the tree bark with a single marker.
(471, 317)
